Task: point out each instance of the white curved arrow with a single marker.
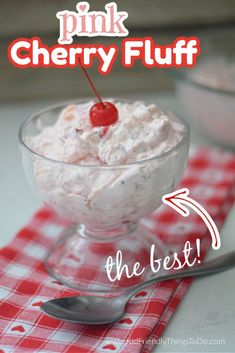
(179, 198)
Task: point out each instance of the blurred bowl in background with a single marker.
(207, 92)
(209, 109)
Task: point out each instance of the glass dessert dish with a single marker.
(210, 110)
(105, 205)
(207, 91)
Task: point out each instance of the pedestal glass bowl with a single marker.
(105, 205)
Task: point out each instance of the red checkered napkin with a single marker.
(24, 283)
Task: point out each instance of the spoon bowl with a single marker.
(103, 310)
(86, 309)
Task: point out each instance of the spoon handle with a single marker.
(221, 263)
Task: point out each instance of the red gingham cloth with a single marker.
(24, 283)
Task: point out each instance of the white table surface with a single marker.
(207, 311)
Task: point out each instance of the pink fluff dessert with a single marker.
(112, 175)
(216, 72)
(207, 93)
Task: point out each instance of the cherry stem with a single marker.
(91, 83)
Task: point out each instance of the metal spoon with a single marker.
(103, 310)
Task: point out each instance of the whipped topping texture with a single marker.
(85, 190)
(142, 131)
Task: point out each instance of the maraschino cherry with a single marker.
(101, 113)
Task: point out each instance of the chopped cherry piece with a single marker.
(104, 131)
(103, 114)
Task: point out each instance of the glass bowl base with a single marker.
(103, 264)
